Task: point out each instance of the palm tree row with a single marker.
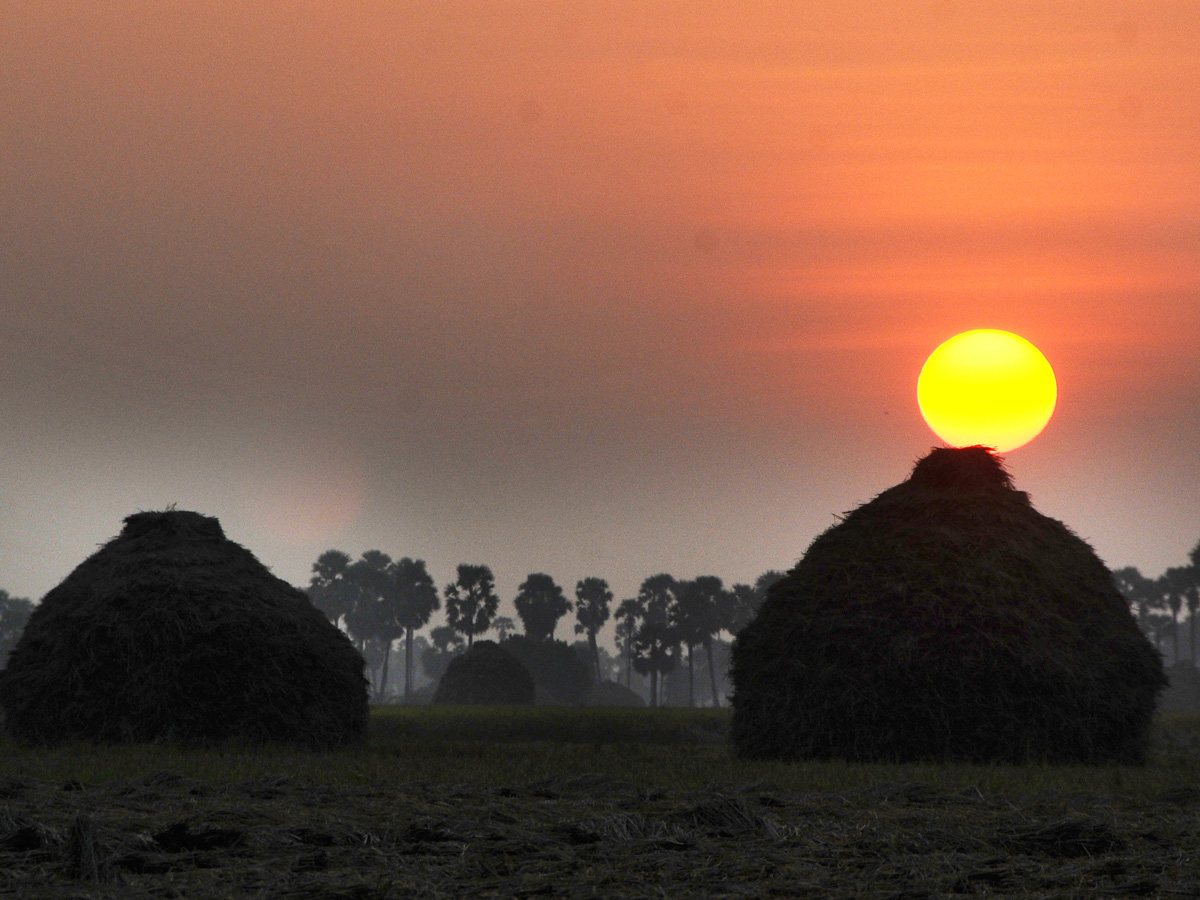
(1158, 602)
(379, 600)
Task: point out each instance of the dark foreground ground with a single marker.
(584, 836)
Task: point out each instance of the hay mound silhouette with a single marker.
(946, 619)
(611, 693)
(1183, 691)
(486, 675)
(172, 632)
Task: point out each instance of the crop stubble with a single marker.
(163, 835)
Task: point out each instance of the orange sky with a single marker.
(592, 289)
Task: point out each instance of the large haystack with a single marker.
(486, 675)
(947, 619)
(171, 632)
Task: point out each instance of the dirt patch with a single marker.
(165, 836)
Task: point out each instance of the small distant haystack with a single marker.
(612, 693)
(562, 676)
(172, 632)
(946, 619)
(1183, 692)
(486, 675)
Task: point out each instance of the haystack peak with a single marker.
(972, 468)
(172, 524)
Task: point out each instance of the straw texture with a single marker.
(946, 619)
(172, 632)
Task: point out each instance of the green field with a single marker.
(669, 748)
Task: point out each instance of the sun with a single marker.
(987, 387)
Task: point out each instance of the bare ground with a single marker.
(584, 836)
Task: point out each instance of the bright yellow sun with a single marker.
(987, 387)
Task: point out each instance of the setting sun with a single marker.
(987, 387)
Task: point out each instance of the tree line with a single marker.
(1157, 603)
(14, 613)
(379, 601)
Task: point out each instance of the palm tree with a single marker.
(592, 598)
(1139, 592)
(1193, 594)
(1173, 585)
(696, 615)
(656, 640)
(471, 601)
(739, 608)
(504, 626)
(1192, 598)
(540, 604)
(413, 599)
(742, 601)
(444, 644)
(763, 582)
(330, 588)
(370, 618)
(714, 591)
(627, 616)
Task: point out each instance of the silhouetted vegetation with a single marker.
(471, 601)
(655, 639)
(592, 598)
(14, 614)
(540, 604)
(377, 600)
(1158, 602)
(688, 621)
(373, 598)
(444, 645)
(697, 615)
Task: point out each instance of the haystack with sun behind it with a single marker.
(946, 619)
(486, 675)
(172, 632)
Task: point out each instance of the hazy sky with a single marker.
(609, 288)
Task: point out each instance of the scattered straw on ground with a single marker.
(583, 836)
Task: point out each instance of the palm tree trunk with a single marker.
(595, 653)
(712, 674)
(368, 668)
(1193, 630)
(408, 667)
(691, 679)
(383, 680)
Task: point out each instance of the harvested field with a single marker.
(577, 833)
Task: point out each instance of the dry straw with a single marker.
(172, 632)
(946, 619)
(486, 675)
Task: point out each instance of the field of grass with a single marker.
(669, 748)
(579, 803)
